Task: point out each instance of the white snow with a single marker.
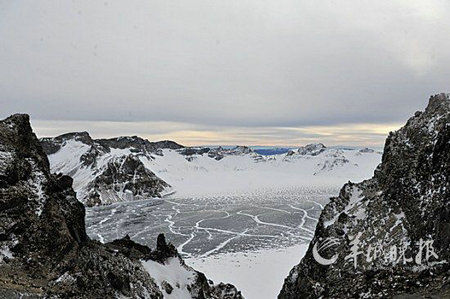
(234, 174)
(65, 278)
(239, 173)
(354, 207)
(5, 252)
(173, 272)
(67, 161)
(5, 248)
(258, 275)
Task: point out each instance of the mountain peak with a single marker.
(438, 101)
(406, 202)
(312, 149)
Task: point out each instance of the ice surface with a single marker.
(236, 220)
(204, 226)
(251, 240)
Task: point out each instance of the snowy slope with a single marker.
(197, 171)
(235, 174)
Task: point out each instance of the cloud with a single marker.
(228, 64)
(363, 134)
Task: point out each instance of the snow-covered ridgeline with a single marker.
(106, 172)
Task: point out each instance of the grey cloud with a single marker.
(223, 63)
(190, 134)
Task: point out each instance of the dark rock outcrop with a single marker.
(219, 153)
(42, 224)
(110, 177)
(388, 235)
(190, 151)
(366, 150)
(44, 248)
(312, 149)
(125, 178)
(52, 145)
(138, 144)
(167, 144)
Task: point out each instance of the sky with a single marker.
(253, 72)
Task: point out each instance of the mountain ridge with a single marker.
(44, 248)
(101, 176)
(405, 205)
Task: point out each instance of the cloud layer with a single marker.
(229, 67)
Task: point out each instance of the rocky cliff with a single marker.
(108, 170)
(387, 236)
(44, 249)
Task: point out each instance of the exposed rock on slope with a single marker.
(401, 218)
(124, 178)
(219, 153)
(108, 170)
(155, 169)
(311, 149)
(44, 249)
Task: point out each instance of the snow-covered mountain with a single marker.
(389, 236)
(45, 251)
(130, 168)
(108, 170)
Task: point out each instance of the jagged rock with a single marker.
(216, 153)
(312, 149)
(335, 159)
(52, 145)
(167, 144)
(290, 153)
(366, 150)
(189, 151)
(167, 287)
(228, 291)
(219, 153)
(44, 248)
(407, 200)
(239, 150)
(125, 178)
(130, 249)
(138, 144)
(113, 175)
(163, 250)
(43, 227)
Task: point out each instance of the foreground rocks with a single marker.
(406, 206)
(44, 248)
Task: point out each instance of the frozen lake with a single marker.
(204, 226)
(251, 240)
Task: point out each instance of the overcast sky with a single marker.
(223, 72)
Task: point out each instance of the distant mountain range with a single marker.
(133, 168)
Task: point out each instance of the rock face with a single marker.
(44, 249)
(311, 149)
(124, 178)
(108, 170)
(396, 224)
(219, 153)
(118, 169)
